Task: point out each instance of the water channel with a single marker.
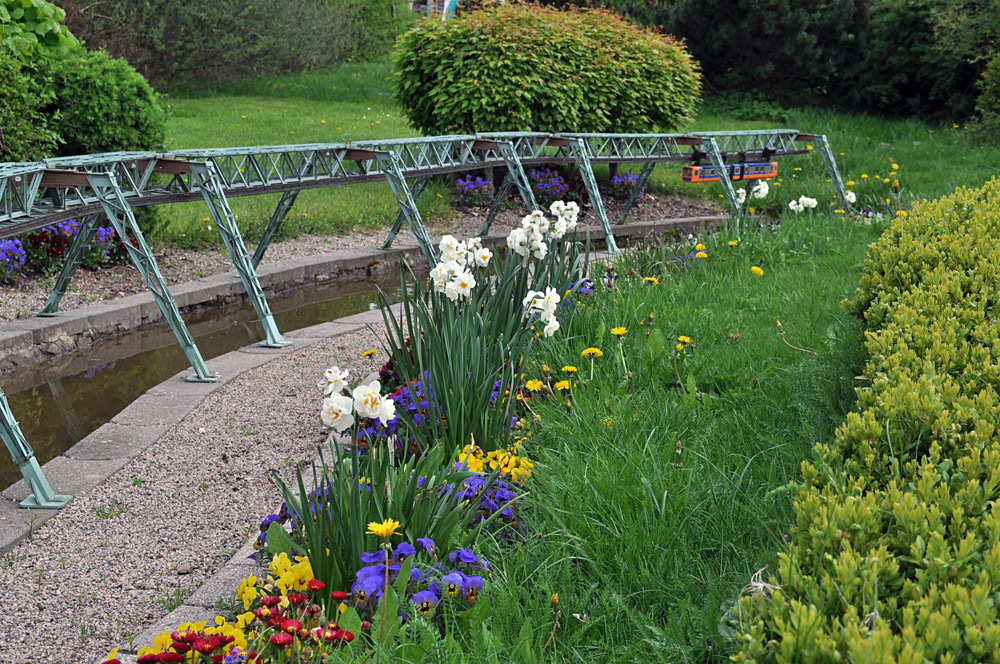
(59, 401)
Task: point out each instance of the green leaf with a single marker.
(477, 613)
(404, 576)
(523, 652)
(350, 621)
(387, 629)
(278, 541)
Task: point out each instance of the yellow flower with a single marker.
(699, 247)
(680, 347)
(902, 213)
(702, 254)
(757, 270)
(569, 369)
(370, 352)
(864, 176)
(752, 210)
(244, 117)
(733, 243)
(554, 599)
(809, 147)
(684, 340)
(839, 212)
(322, 121)
(534, 385)
(609, 423)
(651, 280)
(886, 181)
(592, 352)
(850, 183)
(619, 331)
(384, 529)
(562, 385)
(895, 167)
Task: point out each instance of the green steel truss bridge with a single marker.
(112, 185)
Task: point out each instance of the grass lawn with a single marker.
(655, 553)
(355, 102)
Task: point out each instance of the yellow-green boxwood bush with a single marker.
(520, 67)
(895, 552)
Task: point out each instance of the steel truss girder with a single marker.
(81, 242)
(579, 150)
(284, 206)
(640, 184)
(119, 213)
(397, 182)
(224, 219)
(42, 496)
(419, 185)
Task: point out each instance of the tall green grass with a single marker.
(648, 554)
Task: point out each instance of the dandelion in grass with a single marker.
(570, 369)
(651, 280)
(609, 423)
(371, 352)
(592, 353)
(534, 385)
(699, 247)
(684, 340)
(562, 385)
(384, 530)
(757, 270)
(701, 254)
(733, 243)
(619, 331)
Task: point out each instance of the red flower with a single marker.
(263, 613)
(291, 626)
(218, 659)
(316, 585)
(365, 624)
(270, 600)
(170, 658)
(252, 657)
(343, 635)
(276, 621)
(282, 640)
(204, 646)
(224, 639)
(338, 596)
(151, 658)
(180, 647)
(297, 598)
(112, 661)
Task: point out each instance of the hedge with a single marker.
(525, 67)
(895, 553)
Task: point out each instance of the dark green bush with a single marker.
(988, 104)
(172, 42)
(104, 105)
(526, 67)
(33, 28)
(25, 131)
(894, 555)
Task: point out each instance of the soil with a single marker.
(90, 286)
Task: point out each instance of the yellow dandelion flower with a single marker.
(702, 254)
(809, 147)
(683, 339)
(609, 423)
(619, 331)
(733, 243)
(534, 385)
(592, 352)
(895, 167)
(370, 352)
(699, 247)
(562, 385)
(757, 270)
(902, 213)
(680, 347)
(569, 369)
(384, 529)
(850, 183)
(864, 176)
(651, 280)
(886, 181)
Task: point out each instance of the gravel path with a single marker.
(90, 579)
(90, 287)
(121, 556)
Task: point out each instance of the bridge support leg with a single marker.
(715, 156)
(225, 221)
(831, 168)
(640, 184)
(119, 213)
(520, 178)
(419, 184)
(84, 236)
(499, 198)
(42, 496)
(277, 219)
(579, 149)
(389, 166)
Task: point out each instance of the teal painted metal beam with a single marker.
(579, 149)
(831, 168)
(285, 204)
(225, 221)
(640, 184)
(715, 156)
(42, 496)
(119, 213)
(387, 161)
(418, 188)
(74, 257)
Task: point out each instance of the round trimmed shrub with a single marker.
(25, 134)
(526, 67)
(103, 104)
